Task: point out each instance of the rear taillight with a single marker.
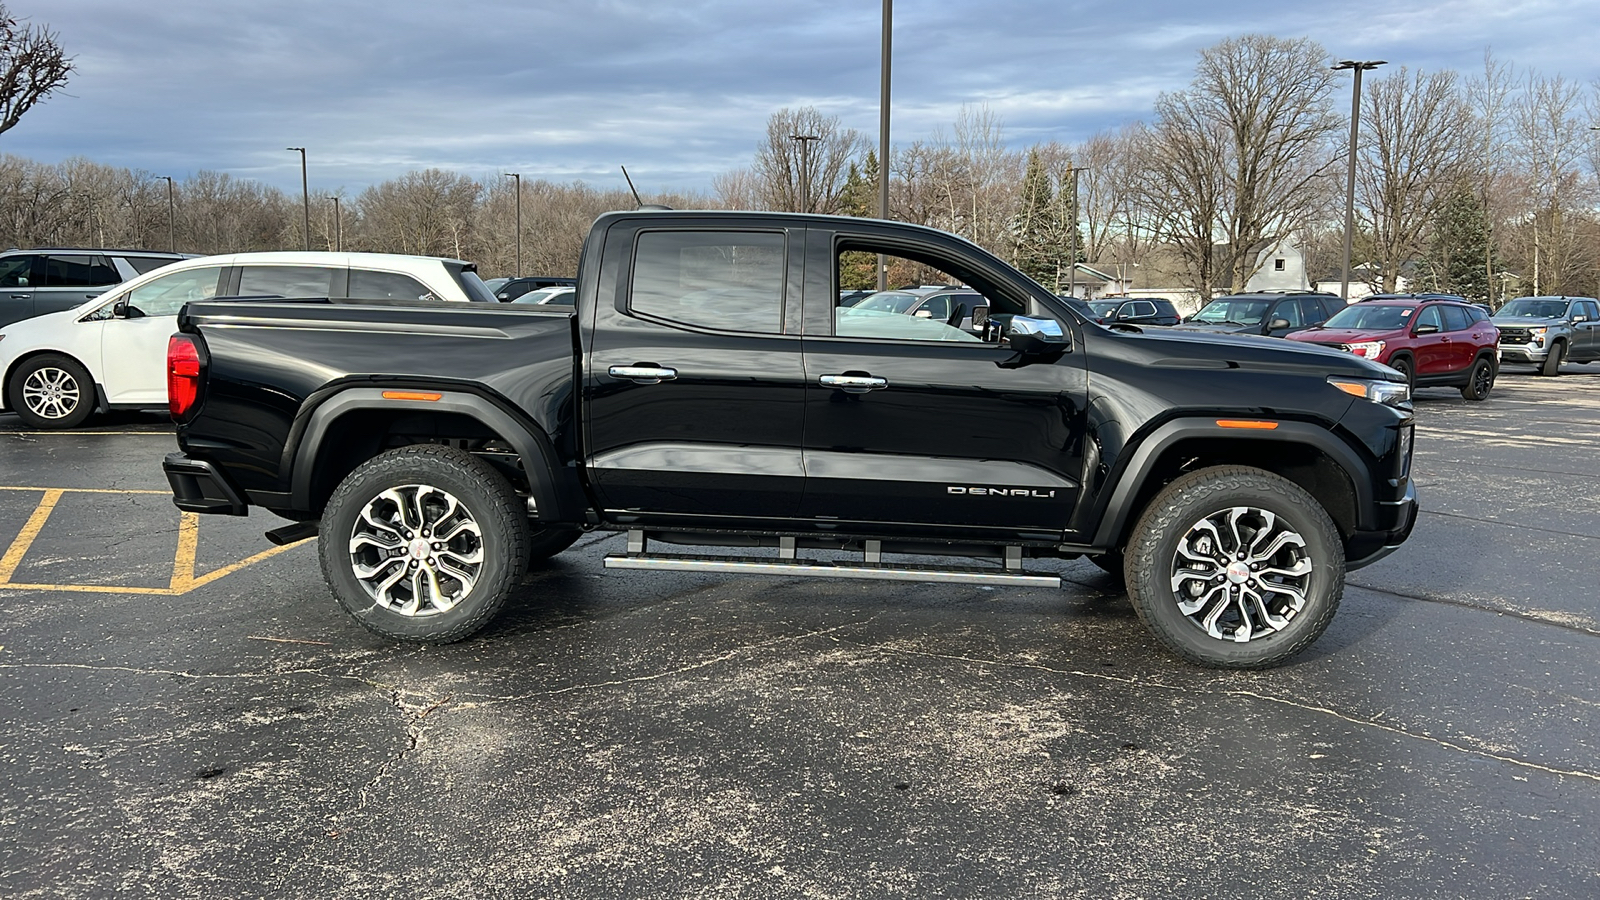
(183, 375)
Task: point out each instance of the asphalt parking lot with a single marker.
(187, 713)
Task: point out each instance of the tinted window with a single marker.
(1456, 318)
(1138, 309)
(143, 264)
(15, 271)
(936, 307)
(1430, 316)
(286, 281)
(1589, 308)
(78, 271)
(730, 281)
(1312, 310)
(1289, 310)
(168, 293)
(366, 284)
(1239, 312)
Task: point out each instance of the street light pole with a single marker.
(172, 217)
(305, 192)
(1072, 254)
(883, 135)
(518, 177)
(338, 226)
(805, 168)
(1350, 182)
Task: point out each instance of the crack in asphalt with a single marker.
(1433, 512)
(1480, 607)
(416, 726)
(1255, 695)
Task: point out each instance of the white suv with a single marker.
(111, 352)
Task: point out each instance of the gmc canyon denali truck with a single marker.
(707, 390)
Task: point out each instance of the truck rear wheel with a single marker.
(1236, 568)
(423, 543)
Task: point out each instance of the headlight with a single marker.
(1389, 393)
(1368, 349)
(1537, 334)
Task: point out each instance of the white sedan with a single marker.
(111, 352)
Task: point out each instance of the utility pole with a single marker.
(172, 217)
(338, 226)
(305, 192)
(883, 136)
(518, 177)
(1072, 254)
(805, 168)
(1350, 182)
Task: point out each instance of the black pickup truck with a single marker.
(708, 390)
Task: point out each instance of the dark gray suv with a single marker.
(35, 282)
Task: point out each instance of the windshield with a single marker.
(1361, 317)
(1239, 312)
(888, 301)
(1103, 308)
(1535, 307)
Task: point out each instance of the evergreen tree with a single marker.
(1454, 263)
(859, 198)
(1038, 251)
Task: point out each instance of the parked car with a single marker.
(1547, 331)
(35, 282)
(1231, 481)
(550, 296)
(955, 307)
(110, 352)
(1135, 311)
(495, 284)
(1271, 314)
(1432, 339)
(516, 287)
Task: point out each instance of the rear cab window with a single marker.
(726, 281)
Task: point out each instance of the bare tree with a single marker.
(1551, 140)
(827, 154)
(427, 213)
(32, 66)
(1416, 149)
(1235, 153)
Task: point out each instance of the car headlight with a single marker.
(1367, 349)
(1389, 393)
(1537, 334)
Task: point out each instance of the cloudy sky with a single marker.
(676, 90)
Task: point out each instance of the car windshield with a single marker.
(1239, 312)
(1535, 308)
(888, 301)
(1360, 317)
(537, 296)
(1103, 308)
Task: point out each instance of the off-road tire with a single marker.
(482, 492)
(1553, 360)
(1480, 381)
(547, 542)
(1151, 564)
(52, 367)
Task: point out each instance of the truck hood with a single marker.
(1220, 328)
(1342, 335)
(1202, 349)
(1526, 322)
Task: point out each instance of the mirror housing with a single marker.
(1037, 337)
(1277, 324)
(122, 310)
(923, 314)
(1426, 329)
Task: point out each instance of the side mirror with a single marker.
(923, 314)
(1426, 329)
(1037, 337)
(1577, 319)
(124, 311)
(1277, 324)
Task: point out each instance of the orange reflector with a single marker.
(1246, 423)
(411, 395)
(1350, 387)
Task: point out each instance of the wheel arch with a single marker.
(1308, 455)
(16, 364)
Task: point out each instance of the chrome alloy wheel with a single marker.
(51, 393)
(416, 550)
(1240, 574)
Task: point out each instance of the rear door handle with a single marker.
(643, 373)
(20, 296)
(854, 384)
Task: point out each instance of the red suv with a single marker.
(1432, 339)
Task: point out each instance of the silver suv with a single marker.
(35, 282)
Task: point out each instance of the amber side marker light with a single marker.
(1350, 387)
(411, 395)
(1246, 423)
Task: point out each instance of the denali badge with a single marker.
(999, 492)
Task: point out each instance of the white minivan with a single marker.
(110, 353)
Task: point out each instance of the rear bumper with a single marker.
(1397, 518)
(198, 486)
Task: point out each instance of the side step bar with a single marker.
(870, 567)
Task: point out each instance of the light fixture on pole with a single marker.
(883, 135)
(172, 217)
(805, 168)
(305, 192)
(518, 177)
(338, 225)
(1357, 66)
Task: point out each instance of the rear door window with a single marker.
(1456, 318)
(730, 281)
(366, 284)
(73, 270)
(16, 271)
(285, 281)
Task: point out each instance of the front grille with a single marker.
(1509, 336)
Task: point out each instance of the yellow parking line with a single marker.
(24, 540)
(81, 490)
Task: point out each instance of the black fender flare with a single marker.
(1142, 459)
(532, 447)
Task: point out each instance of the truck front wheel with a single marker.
(423, 543)
(1234, 567)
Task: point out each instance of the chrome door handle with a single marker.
(20, 296)
(854, 384)
(644, 373)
